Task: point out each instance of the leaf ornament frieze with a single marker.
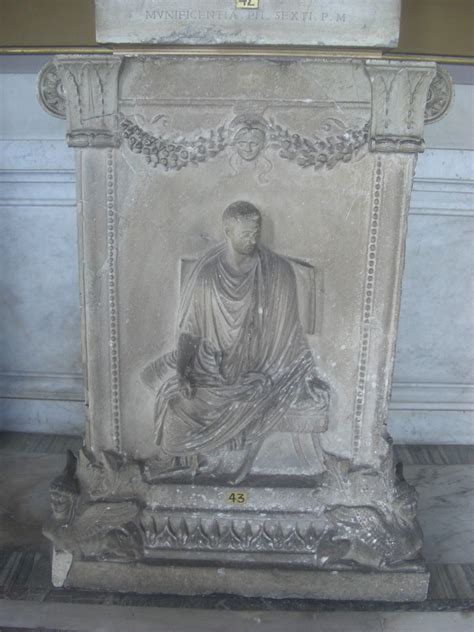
(248, 136)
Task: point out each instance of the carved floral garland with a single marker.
(174, 154)
(324, 150)
(335, 144)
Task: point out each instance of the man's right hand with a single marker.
(185, 386)
(258, 382)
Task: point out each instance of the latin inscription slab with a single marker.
(364, 23)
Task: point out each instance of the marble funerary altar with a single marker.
(241, 234)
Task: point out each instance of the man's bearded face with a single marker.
(244, 234)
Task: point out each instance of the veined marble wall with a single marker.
(40, 365)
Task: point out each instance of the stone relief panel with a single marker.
(238, 417)
(242, 366)
(321, 315)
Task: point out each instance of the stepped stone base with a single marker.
(248, 582)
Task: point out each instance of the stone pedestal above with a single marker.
(358, 23)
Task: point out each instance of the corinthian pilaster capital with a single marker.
(89, 86)
(399, 94)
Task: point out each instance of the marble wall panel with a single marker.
(40, 415)
(435, 304)
(39, 312)
(40, 363)
(416, 426)
(456, 129)
(445, 491)
(22, 116)
(433, 393)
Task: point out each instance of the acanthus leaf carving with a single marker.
(90, 85)
(399, 94)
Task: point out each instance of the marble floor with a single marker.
(443, 476)
(105, 618)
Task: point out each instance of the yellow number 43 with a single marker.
(247, 4)
(237, 497)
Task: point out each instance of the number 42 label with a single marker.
(237, 498)
(247, 4)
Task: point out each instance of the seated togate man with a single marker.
(242, 362)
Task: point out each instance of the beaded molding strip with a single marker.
(367, 308)
(112, 295)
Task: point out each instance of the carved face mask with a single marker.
(249, 142)
(244, 235)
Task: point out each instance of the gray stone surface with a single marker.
(357, 23)
(238, 367)
(61, 565)
(250, 582)
(445, 491)
(114, 618)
